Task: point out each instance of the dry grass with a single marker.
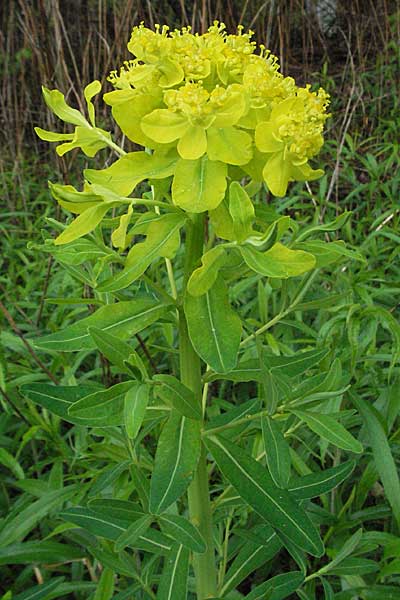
(67, 43)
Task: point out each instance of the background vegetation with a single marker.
(354, 53)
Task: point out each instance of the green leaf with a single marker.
(112, 347)
(162, 237)
(251, 557)
(83, 224)
(330, 429)
(128, 171)
(234, 414)
(278, 261)
(52, 136)
(327, 253)
(177, 395)
(183, 531)
(105, 586)
(294, 365)
(56, 102)
(315, 484)
(91, 90)
(229, 145)
(122, 319)
(278, 587)
(110, 528)
(277, 452)
(124, 510)
(242, 211)
(39, 552)
(135, 404)
(56, 398)
(176, 458)
(204, 277)
(89, 139)
(355, 566)
(254, 484)
(42, 591)
(334, 225)
(348, 548)
(119, 236)
(174, 580)
(8, 461)
(214, 328)
(383, 457)
(104, 408)
(199, 185)
(133, 533)
(291, 366)
(20, 525)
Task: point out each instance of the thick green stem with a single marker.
(198, 493)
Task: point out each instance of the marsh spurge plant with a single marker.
(170, 230)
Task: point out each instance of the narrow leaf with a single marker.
(254, 484)
(315, 484)
(122, 319)
(330, 429)
(383, 457)
(177, 395)
(214, 328)
(102, 409)
(183, 531)
(177, 454)
(135, 404)
(174, 579)
(277, 452)
(133, 533)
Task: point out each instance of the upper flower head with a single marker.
(216, 95)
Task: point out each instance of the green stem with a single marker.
(198, 493)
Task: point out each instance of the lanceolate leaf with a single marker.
(291, 366)
(135, 404)
(125, 510)
(111, 528)
(116, 350)
(277, 452)
(44, 552)
(174, 580)
(160, 235)
(40, 592)
(174, 393)
(214, 328)
(133, 533)
(122, 319)
(315, 484)
(330, 429)
(183, 531)
(56, 398)
(177, 454)
(383, 457)
(102, 409)
(251, 557)
(278, 587)
(256, 487)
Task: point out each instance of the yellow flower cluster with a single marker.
(212, 95)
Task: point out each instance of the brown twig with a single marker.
(27, 345)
